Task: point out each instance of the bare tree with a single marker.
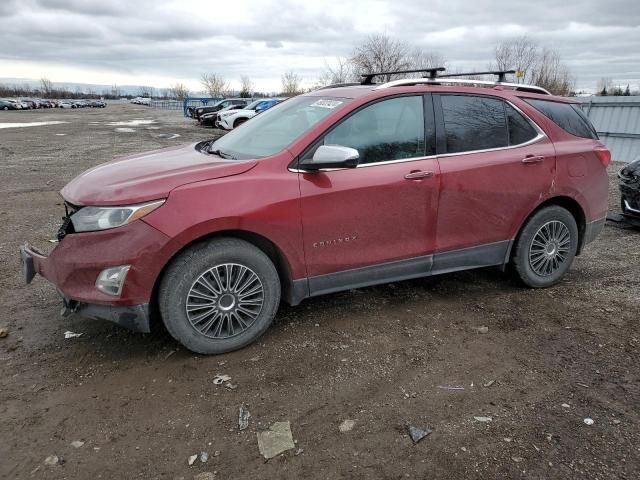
(214, 84)
(246, 87)
(115, 91)
(419, 58)
(291, 83)
(519, 54)
(178, 91)
(380, 53)
(339, 71)
(552, 74)
(46, 86)
(605, 86)
(541, 66)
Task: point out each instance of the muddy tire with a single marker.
(546, 247)
(219, 295)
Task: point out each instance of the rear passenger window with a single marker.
(520, 129)
(566, 116)
(387, 130)
(474, 123)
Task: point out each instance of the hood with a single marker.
(148, 176)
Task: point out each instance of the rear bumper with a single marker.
(592, 230)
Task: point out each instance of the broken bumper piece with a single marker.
(132, 317)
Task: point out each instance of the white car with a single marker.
(66, 105)
(232, 118)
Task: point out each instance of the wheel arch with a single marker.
(568, 203)
(290, 294)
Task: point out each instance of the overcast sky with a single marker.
(155, 42)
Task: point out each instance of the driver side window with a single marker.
(387, 130)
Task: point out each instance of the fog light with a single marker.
(111, 280)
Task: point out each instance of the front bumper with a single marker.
(75, 263)
(132, 317)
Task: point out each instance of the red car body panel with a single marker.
(75, 263)
(325, 222)
(148, 176)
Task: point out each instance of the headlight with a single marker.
(89, 219)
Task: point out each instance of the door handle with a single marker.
(529, 159)
(418, 175)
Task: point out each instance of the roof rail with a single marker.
(501, 74)
(460, 81)
(367, 78)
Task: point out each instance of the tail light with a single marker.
(604, 155)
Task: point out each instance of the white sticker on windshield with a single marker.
(327, 103)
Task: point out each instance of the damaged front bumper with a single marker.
(78, 259)
(132, 317)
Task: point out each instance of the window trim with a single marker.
(426, 97)
(440, 128)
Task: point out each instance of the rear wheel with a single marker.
(5, 108)
(219, 296)
(546, 247)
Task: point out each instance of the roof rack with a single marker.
(459, 81)
(367, 78)
(433, 78)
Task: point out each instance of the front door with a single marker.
(373, 223)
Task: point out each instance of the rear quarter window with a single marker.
(567, 116)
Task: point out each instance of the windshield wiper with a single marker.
(222, 154)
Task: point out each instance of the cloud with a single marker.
(181, 39)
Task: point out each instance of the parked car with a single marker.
(66, 104)
(335, 189)
(230, 120)
(6, 104)
(629, 184)
(198, 111)
(97, 104)
(211, 119)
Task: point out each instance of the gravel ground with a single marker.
(385, 357)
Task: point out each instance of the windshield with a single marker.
(276, 128)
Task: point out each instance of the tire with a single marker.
(239, 122)
(544, 263)
(5, 108)
(192, 274)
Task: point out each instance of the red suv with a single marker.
(339, 188)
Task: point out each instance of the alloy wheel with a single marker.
(225, 300)
(550, 248)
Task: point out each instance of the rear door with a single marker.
(380, 212)
(496, 165)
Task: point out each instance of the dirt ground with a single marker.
(380, 356)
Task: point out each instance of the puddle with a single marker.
(153, 128)
(30, 124)
(126, 130)
(60, 134)
(131, 123)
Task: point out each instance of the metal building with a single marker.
(617, 121)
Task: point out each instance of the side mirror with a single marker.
(331, 156)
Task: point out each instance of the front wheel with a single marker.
(239, 122)
(546, 247)
(220, 295)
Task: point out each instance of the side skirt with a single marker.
(488, 255)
